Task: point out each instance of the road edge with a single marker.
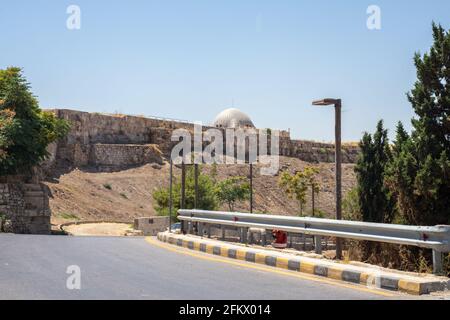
(338, 272)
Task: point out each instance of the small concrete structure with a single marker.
(150, 226)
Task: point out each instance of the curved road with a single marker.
(34, 267)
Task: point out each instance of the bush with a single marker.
(25, 130)
(350, 206)
(207, 197)
(232, 190)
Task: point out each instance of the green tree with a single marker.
(25, 130)
(310, 175)
(295, 186)
(206, 192)
(375, 201)
(419, 174)
(232, 190)
(350, 205)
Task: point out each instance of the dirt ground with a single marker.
(98, 229)
(85, 195)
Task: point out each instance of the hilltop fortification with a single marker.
(116, 141)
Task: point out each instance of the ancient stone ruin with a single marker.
(114, 142)
(24, 206)
(110, 142)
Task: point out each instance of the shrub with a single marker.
(25, 130)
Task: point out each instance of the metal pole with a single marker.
(437, 262)
(317, 239)
(170, 195)
(196, 185)
(251, 188)
(318, 244)
(183, 192)
(338, 163)
(196, 189)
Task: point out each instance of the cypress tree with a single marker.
(419, 174)
(374, 198)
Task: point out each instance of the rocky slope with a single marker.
(84, 194)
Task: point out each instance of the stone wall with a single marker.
(150, 226)
(312, 151)
(24, 208)
(94, 137)
(116, 156)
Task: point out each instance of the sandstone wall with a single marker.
(123, 155)
(24, 208)
(115, 140)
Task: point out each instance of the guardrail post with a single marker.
(437, 262)
(200, 229)
(318, 244)
(223, 232)
(209, 230)
(250, 236)
(244, 235)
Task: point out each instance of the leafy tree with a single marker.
(7, 127)
(232, 190)
(375, 201)
(420, 171)
(214, 172)
(350, 205)
(310, 175)
(295, 186)
(25, 130)
(207, 197)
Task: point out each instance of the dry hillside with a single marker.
(83, 194)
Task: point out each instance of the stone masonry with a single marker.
(116, 156)
(24, 208)
(108, 141)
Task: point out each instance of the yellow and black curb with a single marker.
(300, 264)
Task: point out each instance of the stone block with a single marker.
(150, 226)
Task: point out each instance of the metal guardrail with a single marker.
(436, 238)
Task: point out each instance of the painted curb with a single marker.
(338, 272)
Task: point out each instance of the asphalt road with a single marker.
(34, 267)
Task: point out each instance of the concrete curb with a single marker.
(317, 267)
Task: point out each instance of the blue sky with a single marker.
(189, 59)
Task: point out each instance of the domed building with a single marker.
(233, 118)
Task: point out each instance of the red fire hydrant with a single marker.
(280, 239)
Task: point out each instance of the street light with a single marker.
(251, 187)
(170, 195)
(337, 147)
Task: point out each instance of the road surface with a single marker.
(34, 267)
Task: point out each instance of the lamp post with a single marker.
(338, 161)
(196, 185)
(251, 187)
(183, 194)
(170, 195)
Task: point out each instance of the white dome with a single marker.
(233, 118)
